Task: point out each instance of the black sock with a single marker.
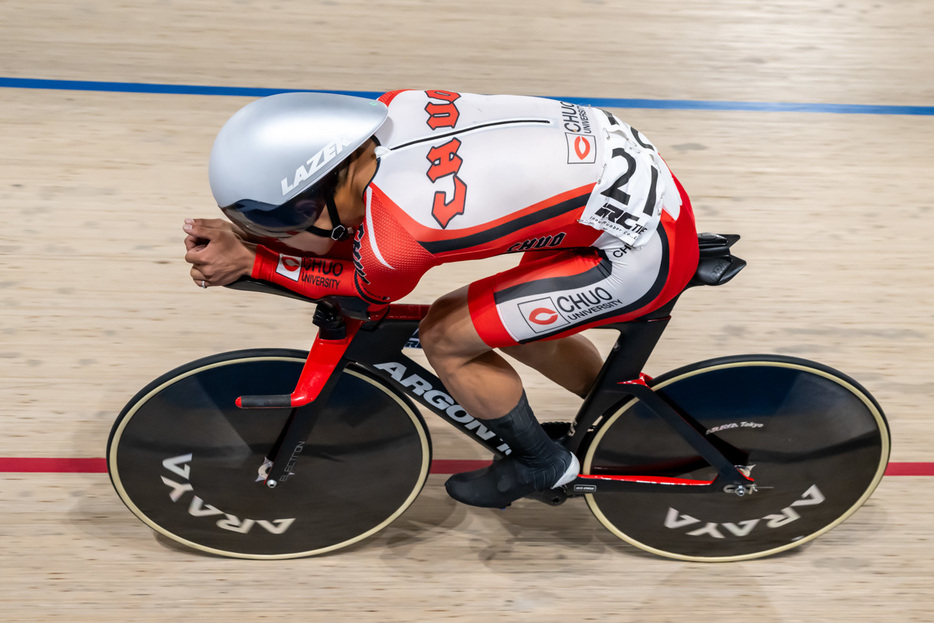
(531, 446)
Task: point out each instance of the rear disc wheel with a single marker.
(814, 441)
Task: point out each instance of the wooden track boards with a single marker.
(835, 211)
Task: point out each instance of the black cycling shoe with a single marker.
(504, 482)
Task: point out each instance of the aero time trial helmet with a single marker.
(273, 165)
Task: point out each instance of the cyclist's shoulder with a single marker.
(386, 241)
(388, 261)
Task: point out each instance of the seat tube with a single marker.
(633, 348)
(625, 362)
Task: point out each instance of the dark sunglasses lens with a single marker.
(294, 215)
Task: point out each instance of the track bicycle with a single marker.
(273, 453)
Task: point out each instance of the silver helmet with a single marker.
(271, 161)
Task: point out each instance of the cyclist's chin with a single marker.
(306, 242)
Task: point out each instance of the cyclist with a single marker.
(332, 194)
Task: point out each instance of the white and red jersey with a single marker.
(455, 164)
(463, 176)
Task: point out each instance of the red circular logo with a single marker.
(291, 264)
(582, 147)
(543, 315)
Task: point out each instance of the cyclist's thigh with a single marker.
(570, 291)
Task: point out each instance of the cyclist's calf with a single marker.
(572, 362)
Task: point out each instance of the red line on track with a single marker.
(448, 466)
(52, 465)
(23, 465)
(910, 469)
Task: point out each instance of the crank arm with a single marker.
(588, 483)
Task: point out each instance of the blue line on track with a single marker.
(606, 102)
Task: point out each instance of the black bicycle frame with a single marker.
(347, 335)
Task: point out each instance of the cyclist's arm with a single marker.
(314, 277)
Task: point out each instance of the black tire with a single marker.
(186, 460)
(819, 444)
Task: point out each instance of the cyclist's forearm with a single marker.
(313, 277)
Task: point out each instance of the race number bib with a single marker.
(636, 183)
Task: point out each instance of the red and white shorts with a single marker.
(556, 294)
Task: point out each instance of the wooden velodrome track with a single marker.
(102, 159)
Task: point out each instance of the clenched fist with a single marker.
(216, 251)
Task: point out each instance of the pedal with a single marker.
(553, 497)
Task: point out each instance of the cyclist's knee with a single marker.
(446, 331)
(434, 331)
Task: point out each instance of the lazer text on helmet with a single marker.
(315, 163)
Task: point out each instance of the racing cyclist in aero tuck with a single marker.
(338, 195)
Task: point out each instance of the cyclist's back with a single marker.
(466, 176)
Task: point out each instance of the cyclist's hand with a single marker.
(192, 241)
(217, 254)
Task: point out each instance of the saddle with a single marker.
(716, 265)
